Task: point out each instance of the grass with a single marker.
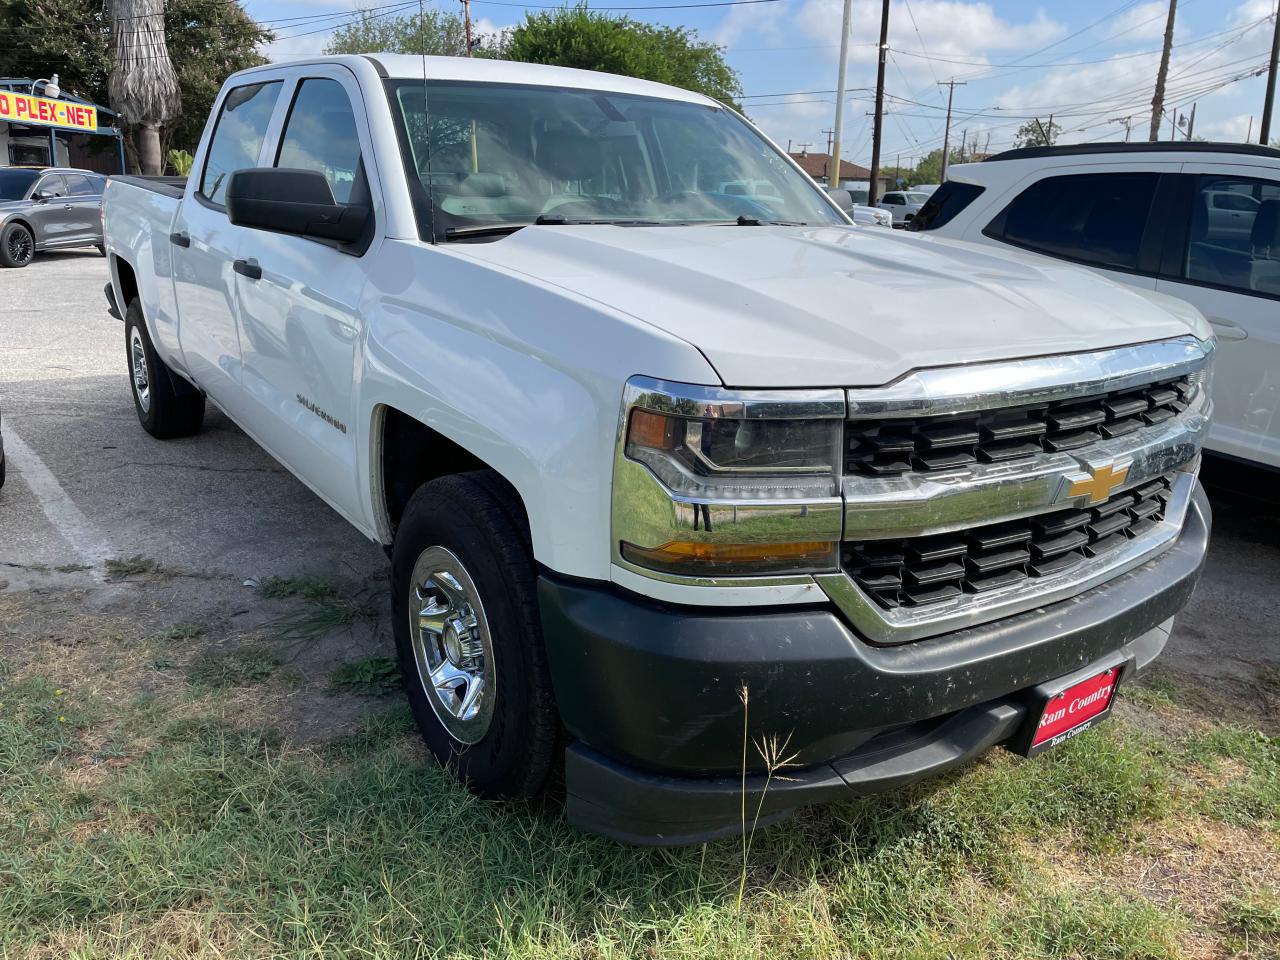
(135, 566)
(371, 675)
(145, 829)
(326, 606)
(185, 630)
(216, 670)
(308, 587)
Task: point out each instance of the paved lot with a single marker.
(86, 484)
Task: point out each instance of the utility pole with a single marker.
(829, 134)
(835, 148)
(873, 192)
(1248, 137)
(964, 144)
(946, 133)
(1157, 101)
(1265, 136)
(1191, 124)
(466, 15)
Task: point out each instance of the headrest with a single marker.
(483, 185)
(568, 156)
(1266, 224)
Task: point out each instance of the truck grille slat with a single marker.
(930, 569)
(928, 444)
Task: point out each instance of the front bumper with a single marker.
(652, 693)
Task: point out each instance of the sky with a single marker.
(1089, 63)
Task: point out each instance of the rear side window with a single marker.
(1234, 241)
(78, 186)
(1094, 218)
(942, 207)
(237, 139)
(320, 135)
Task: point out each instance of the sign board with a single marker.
(20, 108)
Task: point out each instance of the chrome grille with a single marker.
(922, 570)
(891, 447)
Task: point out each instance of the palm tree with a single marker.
(143, 85)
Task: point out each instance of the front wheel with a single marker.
(469, 637)
(163, 411)
(17, 246)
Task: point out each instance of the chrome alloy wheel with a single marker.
(21, 246)
(451, 645)
(141, 376)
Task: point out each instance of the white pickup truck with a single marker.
(642, 449)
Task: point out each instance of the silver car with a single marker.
(903, 204)
(864, 216)
(47, 208)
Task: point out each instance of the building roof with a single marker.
(817, 166)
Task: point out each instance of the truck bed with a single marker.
(169, 186)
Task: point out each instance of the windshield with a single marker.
(917, 197)
(15, 183)
(494, 155)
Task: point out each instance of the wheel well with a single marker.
(413, 454)
(127, 281)
(22, 223)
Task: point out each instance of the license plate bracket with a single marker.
(1062, 709)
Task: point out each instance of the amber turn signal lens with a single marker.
(706, 559)
(652, 430)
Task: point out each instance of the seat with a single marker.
(1265, 239)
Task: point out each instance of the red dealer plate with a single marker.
(1074, 710)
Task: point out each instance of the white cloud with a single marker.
(1143, 22)
(296, 48)
(760, 18)
(1231, 129)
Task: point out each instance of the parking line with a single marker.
(80, 533)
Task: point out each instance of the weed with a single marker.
(238, 668)
(72, 568)
(311, 587)
(186, 630)
(135, 566)
(374, 675)
(321, 616)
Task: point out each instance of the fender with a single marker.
(529, 382)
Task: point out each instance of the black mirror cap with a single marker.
(296, 202)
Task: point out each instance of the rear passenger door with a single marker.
(1225, 260)
(85, 223)
(301, 321)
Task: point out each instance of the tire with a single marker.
(507, 750)
(163, 412)
(17, 246)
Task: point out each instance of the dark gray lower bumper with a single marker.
(651, 693)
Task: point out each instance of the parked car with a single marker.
(48, 208)
(642, 450)
(1198, 221)
(860, 213)
(903, 204)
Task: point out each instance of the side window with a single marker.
(320, 134)
(78, 186)
(1234, 241)
(237, 139)
(943, 205)
(1096, 218)
(51, 186)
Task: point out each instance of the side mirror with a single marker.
(297, 202)
(43, 196)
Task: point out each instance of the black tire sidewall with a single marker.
(133, 319)
(515, 755)
(5, 234)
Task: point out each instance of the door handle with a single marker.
(68, 206)
(247, 268)
(1228, 330)
(180, 239)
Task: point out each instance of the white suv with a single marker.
(1199, 221)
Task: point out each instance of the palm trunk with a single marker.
(149, 157)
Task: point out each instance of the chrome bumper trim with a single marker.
(1013, 383)
(905, 624)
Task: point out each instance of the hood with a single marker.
(833, 306)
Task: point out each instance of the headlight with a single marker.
(711, 482)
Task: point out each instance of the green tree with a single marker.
(929, 169)
(1033, 133)
(583, 38)
(432, 32)
(207, 40)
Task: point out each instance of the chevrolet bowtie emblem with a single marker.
(1097, 484)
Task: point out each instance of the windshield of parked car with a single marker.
(917, 197)
(493, 157)
(14, 184)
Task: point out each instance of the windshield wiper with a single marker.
(545, 220)
(745, 221)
